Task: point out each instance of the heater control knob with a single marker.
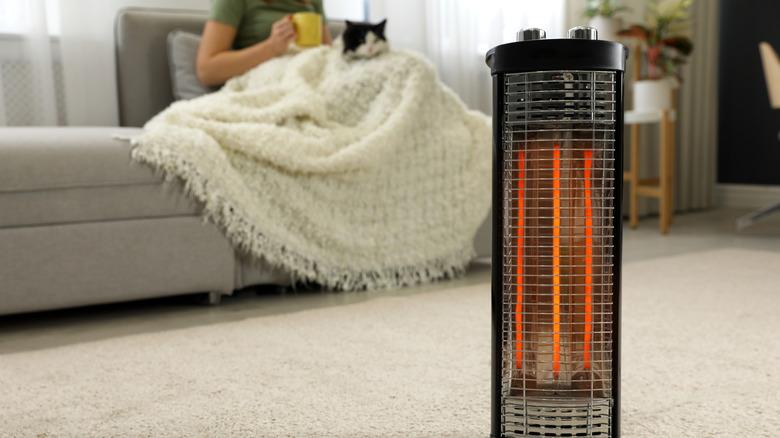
(583, 33)
(533, 33)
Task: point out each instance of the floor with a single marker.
(296, 364)
(695, 232)
(691, 232)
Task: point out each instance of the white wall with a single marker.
(87, 46)
(345, 9)
(406, 22)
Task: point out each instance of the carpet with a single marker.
(700, 345)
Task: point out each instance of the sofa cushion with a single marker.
(67, 175)
(182, 58)
(44, 268)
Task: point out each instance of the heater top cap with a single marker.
(580, 51)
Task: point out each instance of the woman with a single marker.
(241, 34)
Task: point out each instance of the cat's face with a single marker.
(364, 40)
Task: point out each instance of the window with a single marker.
(16, 16)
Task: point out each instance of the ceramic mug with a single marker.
(308, 27)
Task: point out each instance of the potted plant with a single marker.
(666, 47)
(602, 15)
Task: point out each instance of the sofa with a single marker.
(82, 224)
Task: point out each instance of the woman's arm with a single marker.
(327, 38)
(217, 62)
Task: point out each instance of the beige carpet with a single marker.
(701, 355)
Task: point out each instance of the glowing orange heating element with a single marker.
(588, 258)
(556, 259)
(519, 243)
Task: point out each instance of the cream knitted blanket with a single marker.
(350, 174)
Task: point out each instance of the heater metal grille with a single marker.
(558, 190)
(557, 418)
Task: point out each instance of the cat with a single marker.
(364, 40)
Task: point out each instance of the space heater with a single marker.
(557, 172)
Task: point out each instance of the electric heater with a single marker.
(557, 172)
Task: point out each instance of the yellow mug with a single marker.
(308, 27)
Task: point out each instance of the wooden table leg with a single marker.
(634, 178)
(664, 174)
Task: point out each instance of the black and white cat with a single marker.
(364, 40)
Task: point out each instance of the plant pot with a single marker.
(652, 95)
(608, 27)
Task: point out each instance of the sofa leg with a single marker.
(214, 298)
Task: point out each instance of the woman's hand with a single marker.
(282, 34)
(218, 62)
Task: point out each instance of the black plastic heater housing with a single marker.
(543, 55)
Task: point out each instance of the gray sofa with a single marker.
(81, 224)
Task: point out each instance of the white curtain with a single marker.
(697, 136)
(456, 34)
(697, 123)
(698, 109)
(30, 72)
(57, 59)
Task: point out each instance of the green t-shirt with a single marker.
(253, 18)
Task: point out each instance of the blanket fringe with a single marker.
(220, 212)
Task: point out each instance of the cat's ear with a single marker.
(349, 23)
(380, 27)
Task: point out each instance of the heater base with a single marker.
(532, 417)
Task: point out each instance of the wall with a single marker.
(749, 146)
(345, 9)
(405, 24)
(87, 46)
